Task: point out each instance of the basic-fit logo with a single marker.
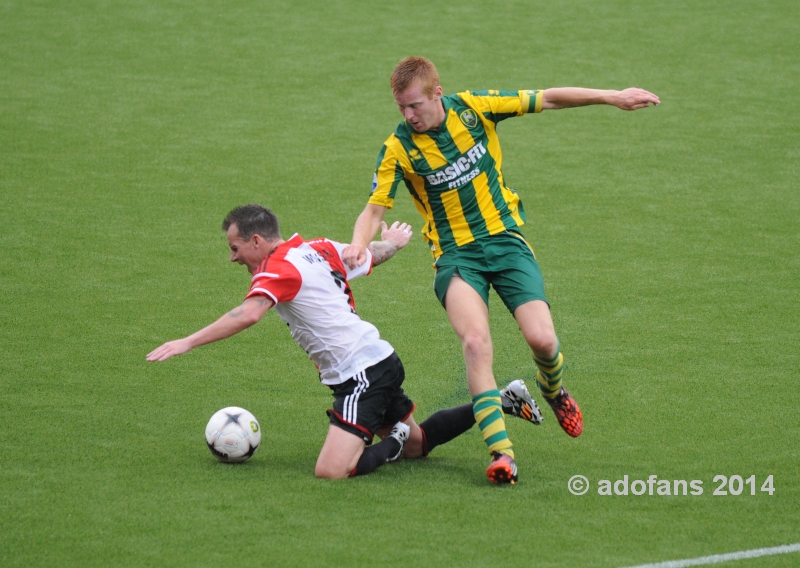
(469, 118)
(460, 167)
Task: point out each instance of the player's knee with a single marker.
(328, 468)
(546, 347)
(325, 471)
(543, 343)
(476, 345)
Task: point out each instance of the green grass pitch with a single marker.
(669, 239)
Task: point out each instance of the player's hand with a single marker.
(399, 233)
(633, 98)
(354, 256)
(169, 349)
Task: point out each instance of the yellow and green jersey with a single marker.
(454, 172)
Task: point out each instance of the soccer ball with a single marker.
(233, 434)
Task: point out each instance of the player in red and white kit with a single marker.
(307, 283)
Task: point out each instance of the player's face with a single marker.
(421, 111)
(249, 253)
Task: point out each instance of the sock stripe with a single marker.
(546, 362)
(489, 419)
(488, 410)
(484, 405)
(551, 365)
(548, 379)
(499, 437)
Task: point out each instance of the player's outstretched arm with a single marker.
(366, 228)
(236, 320)
(571, 97)
(392, 240)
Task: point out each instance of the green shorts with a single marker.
(505, 261)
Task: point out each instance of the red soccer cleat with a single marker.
(567, 412)
(503, 469)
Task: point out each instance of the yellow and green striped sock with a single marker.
(549, 376)
(488, 410)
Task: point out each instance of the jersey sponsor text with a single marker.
(459, 167)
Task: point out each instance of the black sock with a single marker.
(375, 456)
(444, 425)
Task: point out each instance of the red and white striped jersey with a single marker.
(308, 282)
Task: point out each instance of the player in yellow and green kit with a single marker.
(447, 154)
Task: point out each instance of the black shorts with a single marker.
(371, 399)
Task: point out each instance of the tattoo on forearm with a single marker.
(239, 310)
(381, 251)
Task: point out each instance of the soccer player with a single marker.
(307, 283)
(447, 154)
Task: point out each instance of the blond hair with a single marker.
(412, 69)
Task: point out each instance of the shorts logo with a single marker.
(469, 118)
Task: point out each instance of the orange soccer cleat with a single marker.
(567, 412)
(503, 469)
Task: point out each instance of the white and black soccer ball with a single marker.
(233, 434)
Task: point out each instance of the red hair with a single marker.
(412, 69)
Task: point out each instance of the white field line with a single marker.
(717, 558)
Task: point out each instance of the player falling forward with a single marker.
(447, 153)
(307, 283)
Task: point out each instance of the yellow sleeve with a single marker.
(499, 105)
(388, 174)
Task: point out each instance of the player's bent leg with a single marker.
(537, 327)
(339, 455)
